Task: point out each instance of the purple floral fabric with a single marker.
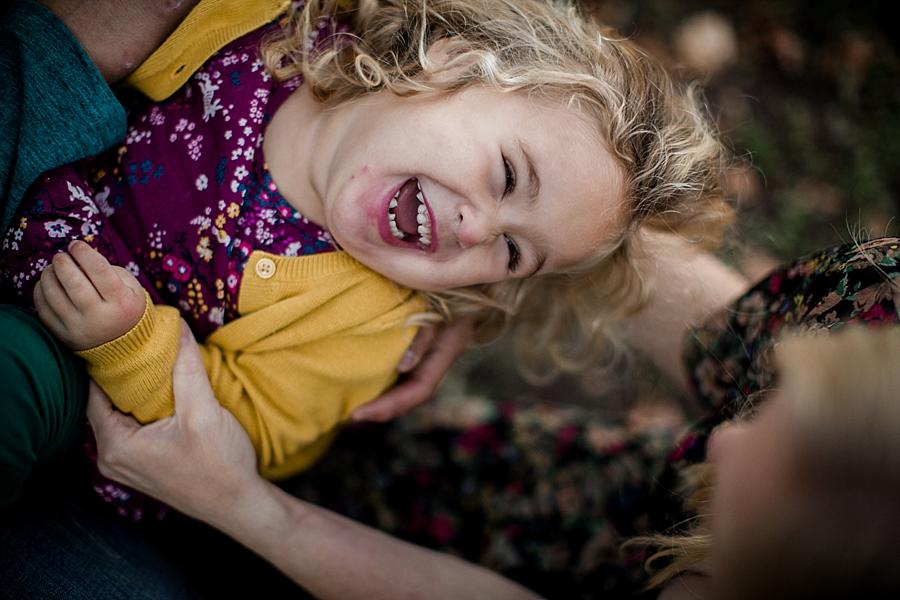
(182, 203)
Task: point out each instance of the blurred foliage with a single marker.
(810, 97)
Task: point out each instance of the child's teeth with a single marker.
(392, 225)
(422, 218)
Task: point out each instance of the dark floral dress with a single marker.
(546, 495)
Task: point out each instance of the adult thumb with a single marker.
(190, 383)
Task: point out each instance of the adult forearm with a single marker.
(687, 285)
(200, 461)
(335, 558)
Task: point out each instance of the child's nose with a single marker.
(472, 228)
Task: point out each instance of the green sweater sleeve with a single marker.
(55, 107)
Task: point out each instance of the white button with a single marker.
(265, 268)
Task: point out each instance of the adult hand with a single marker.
(200, 460)
(119, 34)
(424, 365)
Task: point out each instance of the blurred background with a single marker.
(808, 95)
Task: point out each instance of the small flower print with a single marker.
(57, 228)
(216, 315)
(76, 193)
(203, 249)
(102, 200)
(180, 270)
(202, 182)
(195, 148)
(88, 229)
(157, 117)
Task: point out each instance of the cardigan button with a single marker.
(265, 268)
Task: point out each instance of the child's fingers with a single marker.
(46, 314)
(97, 269)
(128, 279)
(56, 296)
(74, 281)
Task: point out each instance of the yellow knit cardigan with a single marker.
(317, 335)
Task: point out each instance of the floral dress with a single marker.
(547, 495)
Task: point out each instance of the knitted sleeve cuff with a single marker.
(136, 369)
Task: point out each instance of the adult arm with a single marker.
(687, 285)
(201, 462)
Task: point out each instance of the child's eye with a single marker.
(514, 255)
(510, 177)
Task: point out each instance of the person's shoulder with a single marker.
(212, 26)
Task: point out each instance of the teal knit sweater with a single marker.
(55, 106)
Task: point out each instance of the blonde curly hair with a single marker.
(657, 130)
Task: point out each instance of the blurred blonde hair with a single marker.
(834, 532)
(658, 131)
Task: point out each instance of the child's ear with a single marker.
(440, 51)
(442, 60)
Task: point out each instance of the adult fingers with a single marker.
(109, 424)
(417, 349)
(449, 343)
(190, 382)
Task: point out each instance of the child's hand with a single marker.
(85, 301)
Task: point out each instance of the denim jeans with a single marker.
(61, 541)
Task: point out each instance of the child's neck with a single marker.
(290, 146)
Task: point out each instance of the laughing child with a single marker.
(294, 195)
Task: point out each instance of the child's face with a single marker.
(436, 192)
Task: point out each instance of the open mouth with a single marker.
(408, 217)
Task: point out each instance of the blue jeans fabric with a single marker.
(60, 541)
